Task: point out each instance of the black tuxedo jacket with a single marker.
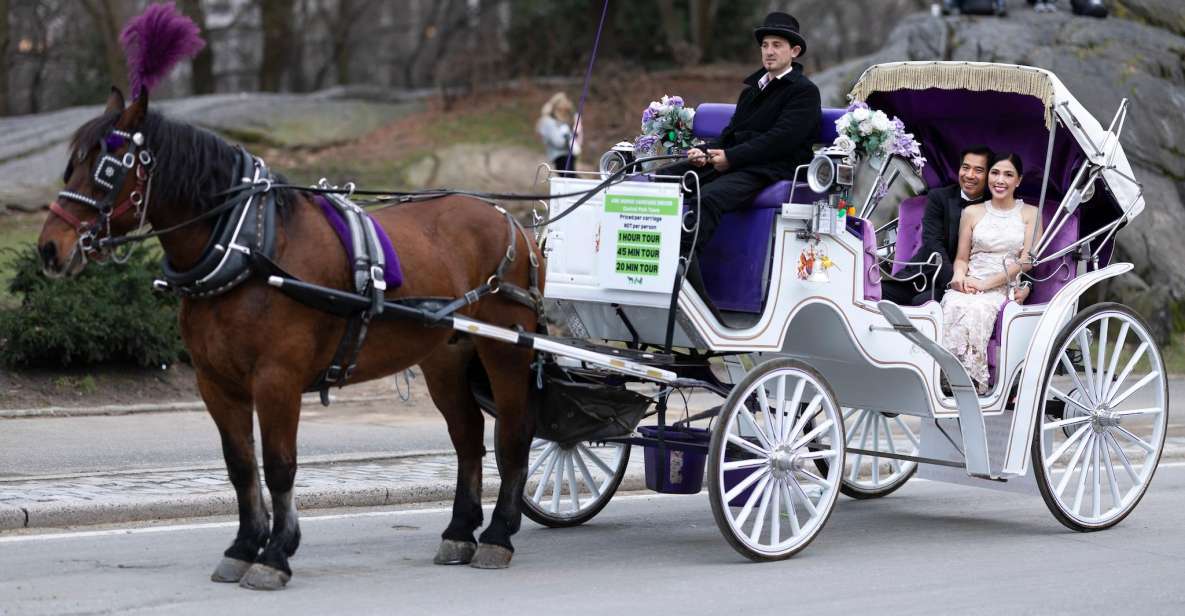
(772, 130)
(940, 230)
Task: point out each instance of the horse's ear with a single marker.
(135, 113)
(115, 100)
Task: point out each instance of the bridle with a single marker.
(108, 177)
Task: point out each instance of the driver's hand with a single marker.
(697, 157)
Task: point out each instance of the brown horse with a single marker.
(256, 350)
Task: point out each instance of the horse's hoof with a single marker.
(491, 556)
(230, 570)
(453, 552)
(263, 577)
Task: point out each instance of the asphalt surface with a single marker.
(930, 548)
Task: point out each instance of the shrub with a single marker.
(109, 313)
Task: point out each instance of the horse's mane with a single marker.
(191, 165)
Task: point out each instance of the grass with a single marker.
(16, 231)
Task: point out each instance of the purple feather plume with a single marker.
(155, 42)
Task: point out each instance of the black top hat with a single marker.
(783, 25)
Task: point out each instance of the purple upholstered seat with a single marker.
(735, 262)
(870, 264)
(909, 231)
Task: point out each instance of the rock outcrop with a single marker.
(1139, 54)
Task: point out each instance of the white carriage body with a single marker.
(831, 326)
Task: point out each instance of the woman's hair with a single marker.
(559, 106)
(1011, 157)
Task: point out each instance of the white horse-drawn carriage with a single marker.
(826, 388)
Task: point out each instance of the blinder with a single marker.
(107, 178)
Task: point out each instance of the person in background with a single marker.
(560, 131)
(975, 7)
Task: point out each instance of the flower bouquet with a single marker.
(666, 128)
(866, 132)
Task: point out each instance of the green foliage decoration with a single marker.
(107, 314)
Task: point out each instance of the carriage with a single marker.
(804, 385)
(826, 388)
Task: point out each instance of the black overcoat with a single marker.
(940, 230)
(772, 130)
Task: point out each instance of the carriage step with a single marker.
(975, 449)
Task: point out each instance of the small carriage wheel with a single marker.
(768, 496)
(868, 476)
(568, 486)
(1093, 475)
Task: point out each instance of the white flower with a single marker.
(880, 122)
(845, 143)
(843, 122)
(861, 114)
(865, 125)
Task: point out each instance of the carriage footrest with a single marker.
(975, 450)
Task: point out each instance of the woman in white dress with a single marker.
(991, 234)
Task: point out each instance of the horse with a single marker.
(255, 350)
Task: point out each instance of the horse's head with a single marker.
(107, 181)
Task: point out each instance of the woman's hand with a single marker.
(956, 283)
(1021, 294)
(973, 286)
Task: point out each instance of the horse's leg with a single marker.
(277, 402)
(509, 368)
(445, 373)
(232, 414)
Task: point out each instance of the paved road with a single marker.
(928, 549)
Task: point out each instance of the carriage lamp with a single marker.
(616, 159)
(828, 171)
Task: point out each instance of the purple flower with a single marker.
(857, 105)
(676, 101)
(645, 143)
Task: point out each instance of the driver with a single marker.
(777, 119)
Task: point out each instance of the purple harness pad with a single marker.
(394, 273)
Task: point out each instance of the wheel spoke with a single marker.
(752, 500)
(541, 489)
(588, 478)
(787, 495)
(1145, 445)
(792, 416)
(812, 409)
(559, 480)
(908, 433)
(1073, 372)
(775, 522)
(1066, 422)
(1112, 482)
(1061, 450)
(822, 453)
(857, 426)
(815, 479)
(806, 500)
(1127, 463)
(1069, 472)
(759, 522)
(1121, 398)
(1100, 373)
(547, 453)
(734, 465)
(1147, 411)
(1120, 340)
(747, 446)
(744, 484)
(780, 396)
(1066, 398)
(876, 461)
(572, 482)
(896, 464)
(595, 459)
(1087, 367)
(752, 421)
(864, 421)
(1082, 474)
(1130, 365)
(767, 411)
(1097, 477)
(808, 437)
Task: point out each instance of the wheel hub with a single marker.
(1104, 418)
(782, 462)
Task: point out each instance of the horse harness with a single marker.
(243, 244)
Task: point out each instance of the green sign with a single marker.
(638, 204)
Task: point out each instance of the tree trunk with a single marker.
(201, 77)
(276, 17)
(109, 17)
(682, 52)
(703, 26)
(4, 59)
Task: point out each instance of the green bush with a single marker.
(109, 313)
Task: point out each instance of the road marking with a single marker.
(148, 530)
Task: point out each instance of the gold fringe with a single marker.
(957, 76)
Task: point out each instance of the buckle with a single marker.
(377, 278)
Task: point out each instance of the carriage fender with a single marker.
(1058, 312)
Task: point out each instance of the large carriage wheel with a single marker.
(1103, 421)
(868, 476)
(768, 495)
(568, 486)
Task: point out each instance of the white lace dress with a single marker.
(970, 318)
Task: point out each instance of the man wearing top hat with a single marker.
(776, 121)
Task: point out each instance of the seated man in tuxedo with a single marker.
(940, 231)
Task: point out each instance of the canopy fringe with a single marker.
(957, 76)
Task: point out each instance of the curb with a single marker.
(155, 407)
(74, 514)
